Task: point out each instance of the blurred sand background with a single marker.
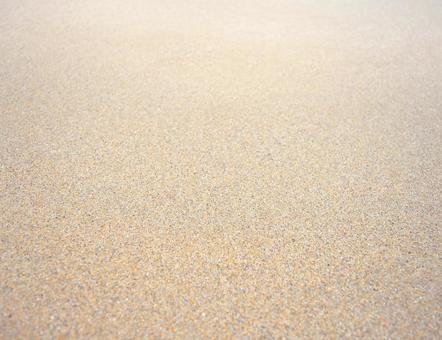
(217, 169)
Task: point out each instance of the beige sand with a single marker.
(202, 169)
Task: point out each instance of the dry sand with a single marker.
(202, 169)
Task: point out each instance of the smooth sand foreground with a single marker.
(218, 169)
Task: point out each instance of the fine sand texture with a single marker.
(220, 169)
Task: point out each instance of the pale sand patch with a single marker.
(206, 169)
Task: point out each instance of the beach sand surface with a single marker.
(220, 169)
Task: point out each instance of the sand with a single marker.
(220, 169)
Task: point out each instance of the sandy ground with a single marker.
(218, 169)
